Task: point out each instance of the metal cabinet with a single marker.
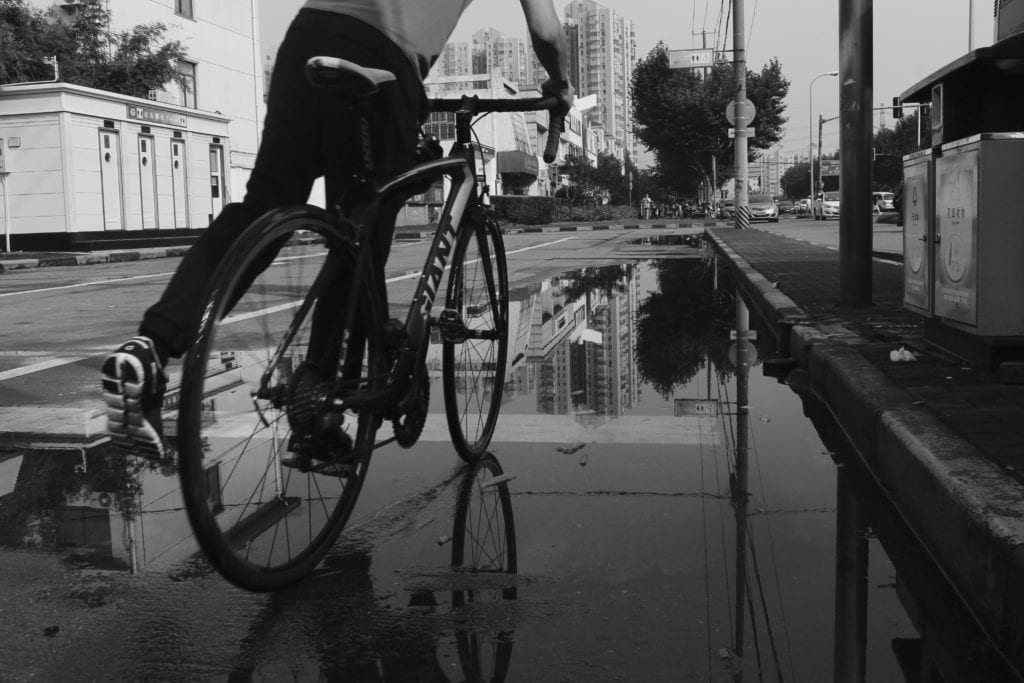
(918, 230)
(978, 242)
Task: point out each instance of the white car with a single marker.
(763, 208)
(882, 201)
(826, 206)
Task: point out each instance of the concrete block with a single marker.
(967, 511)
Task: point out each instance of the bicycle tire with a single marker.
(473, 369)
(262, 518)
(484, 542)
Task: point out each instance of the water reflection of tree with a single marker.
(607, 279)
(49, 480)
(683, 323)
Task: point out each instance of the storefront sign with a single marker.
(158, 116)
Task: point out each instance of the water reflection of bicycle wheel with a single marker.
(483, 558)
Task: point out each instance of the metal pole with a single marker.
(741, 214)
(851, 600)
(970, 26)
(7, 211)
(714, 179)
(821, 188)
(856, 50)
(810, 130)
(739, 493)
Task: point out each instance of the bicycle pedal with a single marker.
(452, 326)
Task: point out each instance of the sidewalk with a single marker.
(946, 441)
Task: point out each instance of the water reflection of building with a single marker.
(97, 507)
(582, 340)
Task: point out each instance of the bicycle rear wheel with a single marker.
(266, 486)
(473, 363)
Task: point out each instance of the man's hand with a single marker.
(563, 90)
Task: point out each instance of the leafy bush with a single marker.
(524, 210)
(589, 213)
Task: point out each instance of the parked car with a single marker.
(786, 206)
(826, 206)
(882, 201)
(803, 207)
(763, 208)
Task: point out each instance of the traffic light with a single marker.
(897, 110)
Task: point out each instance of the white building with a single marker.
(84, 165)
(512, 144)
(603, 45)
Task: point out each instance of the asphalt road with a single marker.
(625, 538)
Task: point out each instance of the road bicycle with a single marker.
(296, 362)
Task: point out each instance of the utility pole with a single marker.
(856, 47)
(742, 212)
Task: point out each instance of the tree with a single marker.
(130, 62)
(680, 115)
(891, 144)
(683, 325)
(607, 180)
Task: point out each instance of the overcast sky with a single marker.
(912, 39)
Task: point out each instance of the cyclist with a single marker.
(307, 134)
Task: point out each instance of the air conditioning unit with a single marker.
(102, 500)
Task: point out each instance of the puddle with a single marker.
(611, 366)
(691, 240)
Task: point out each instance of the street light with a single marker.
(810, 127)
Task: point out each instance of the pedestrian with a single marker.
(645, 207)
(307, 134)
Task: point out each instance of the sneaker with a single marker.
(331, 453)
(133, 388)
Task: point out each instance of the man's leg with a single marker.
(288, 161)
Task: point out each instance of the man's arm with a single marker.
(551, 47)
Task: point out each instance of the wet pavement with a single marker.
(626, 449)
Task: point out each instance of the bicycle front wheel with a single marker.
(484, 560)
(473, 363)
(266, 491)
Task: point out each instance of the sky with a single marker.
(912, 39)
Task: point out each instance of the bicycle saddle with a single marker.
(335, 72)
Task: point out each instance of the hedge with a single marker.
(524, 210)
(545, 210)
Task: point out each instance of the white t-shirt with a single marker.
(420, 27)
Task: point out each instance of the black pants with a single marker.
(308, 133)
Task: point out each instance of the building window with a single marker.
(184, 8)
(441, 124)
(187, 84)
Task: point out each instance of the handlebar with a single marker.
(476, 105)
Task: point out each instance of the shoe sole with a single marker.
(127, 425)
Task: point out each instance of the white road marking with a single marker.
(91, 283)
(38, 367)
(397, 278)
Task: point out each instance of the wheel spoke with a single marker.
(251, 398)
(474, 369)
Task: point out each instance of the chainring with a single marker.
(307, 394)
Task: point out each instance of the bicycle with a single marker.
(283, 389)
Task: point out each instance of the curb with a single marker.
(91, 258)
(938, 480)
(121, 256)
